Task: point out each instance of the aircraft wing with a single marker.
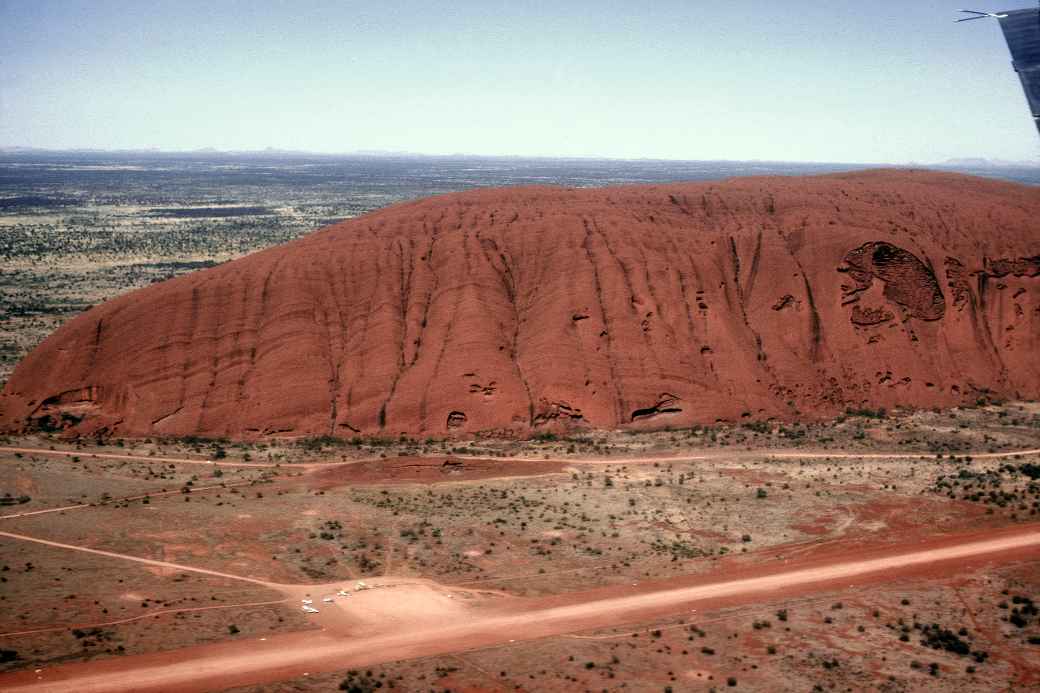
(1022, 32)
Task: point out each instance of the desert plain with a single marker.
(813, 541)
(752, 557)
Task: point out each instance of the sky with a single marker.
(882, 81)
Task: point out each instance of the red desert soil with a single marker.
(426, 470)
(513, 309)
(461, 628)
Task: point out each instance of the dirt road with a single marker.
(620, 460)
(899, 456)
(224, 665)
(614, 460)
(137, 559)
(83, 455)
(123, 499)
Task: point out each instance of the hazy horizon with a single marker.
(742, 81)
(391, 154)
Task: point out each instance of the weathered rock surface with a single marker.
(516, 309)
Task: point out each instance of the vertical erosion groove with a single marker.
(504, 272)
(97, 342)
(753, 273)
(186, 342)
(334, 341)
(648, 352)
(456, 289)
(404, 289)
(427, 259)
(619, 402)
(815, 324)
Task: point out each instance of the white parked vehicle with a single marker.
(328, 599)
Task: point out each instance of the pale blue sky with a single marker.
(836, 80)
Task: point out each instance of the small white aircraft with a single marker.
(343, 593)
(307, 601)
(329, 599)
(978, 15)
(309, 609)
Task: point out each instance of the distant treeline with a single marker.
(198, 212)
(36, 201)
(185, 266)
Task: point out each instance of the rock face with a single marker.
(523, 308)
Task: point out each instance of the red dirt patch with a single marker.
(426, 470)
(820, 525)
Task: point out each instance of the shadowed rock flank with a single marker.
(908, 282)
(525, 309)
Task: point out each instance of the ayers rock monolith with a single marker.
(520, 308)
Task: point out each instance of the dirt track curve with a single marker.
(136, 559)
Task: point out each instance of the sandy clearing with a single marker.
(387, 605)
(239, 663)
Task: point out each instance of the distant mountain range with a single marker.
(978, 162)
(213, 150)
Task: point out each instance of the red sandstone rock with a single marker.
(518, 308)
